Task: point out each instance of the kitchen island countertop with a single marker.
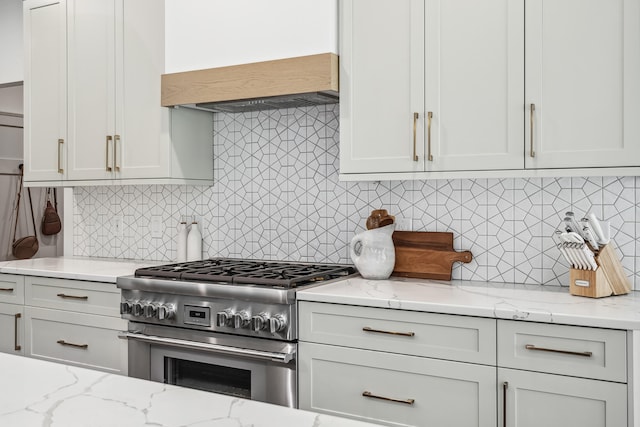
(548, 304)
(38, 393)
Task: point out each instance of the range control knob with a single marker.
(125, 307)
(277, 323)
(259, 322)
(165, 312)
(241, 320)
(224, 318)
(137, 309)
(150, 310)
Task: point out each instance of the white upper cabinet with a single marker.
(11, 42)
(214, 33)
(381, 86)
(92, 86)
(582, 69)
(45, 89)
(474, 83)
(443, 94)
(116, 130)
(494, 88)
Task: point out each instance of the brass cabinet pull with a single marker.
(84, 297)
(6, 289)
(106, 155)
(505, 386)
(429, 117)
(415, 124)
(16, 346)
(531, 122)
(70, 344)
(388, 399)
(60, 143)
(379, 331)
(553, 350)
(115, 153)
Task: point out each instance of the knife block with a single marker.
(608, 279)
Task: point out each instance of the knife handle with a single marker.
(597, 228)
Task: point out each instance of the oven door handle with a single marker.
(223, 349)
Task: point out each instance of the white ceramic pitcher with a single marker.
(373, 253)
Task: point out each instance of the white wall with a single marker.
(11, 43)
(198, 32)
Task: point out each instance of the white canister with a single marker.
(194, 243)
(181, 241)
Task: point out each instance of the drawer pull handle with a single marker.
(6, 289)
(84, 298)
(415, 123)
(16, 346)
(553, 350)
(388, 399)
(429, 155)
(70, 344)
(505, 386)
(378, 331)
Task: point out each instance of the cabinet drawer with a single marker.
(12, 288)
(566, 350)
(74, 338)
(460, 338)
(393, 389)
(73, 295)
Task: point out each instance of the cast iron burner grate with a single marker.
(248, 272)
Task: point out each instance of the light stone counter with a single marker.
(40, 393)
(534, 303)
(78, 268)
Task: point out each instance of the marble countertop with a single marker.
(549, 304)
(79, 268)
(40, 393)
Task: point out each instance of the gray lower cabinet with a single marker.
(406, 368)
(559, 375)
(75, 322)
(394, 389)
(397, 368)
(533, 399)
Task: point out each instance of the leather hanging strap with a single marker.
(33, 218)
(15, 228)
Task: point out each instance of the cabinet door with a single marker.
(92, 73)
(143, 143)
(381, 86)
(11, 329)
(534, 399)
(582, 68)
(45, 89)
(474, 84)
(395, 390)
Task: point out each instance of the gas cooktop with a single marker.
(251, 272)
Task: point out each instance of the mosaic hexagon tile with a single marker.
(277, 195)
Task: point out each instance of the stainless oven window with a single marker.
(204, 376)
(209, 371)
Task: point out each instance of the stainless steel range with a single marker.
(224, 325)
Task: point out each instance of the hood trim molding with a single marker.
(303, 74)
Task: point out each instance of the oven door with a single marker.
(251, 368)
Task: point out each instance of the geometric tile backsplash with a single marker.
(277, 196)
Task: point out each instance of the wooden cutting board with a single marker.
(426, 255)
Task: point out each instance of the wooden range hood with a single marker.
(283, 83)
